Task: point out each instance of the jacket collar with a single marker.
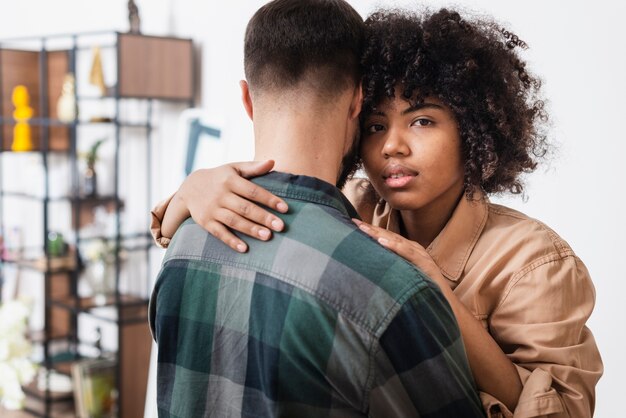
(452, 247)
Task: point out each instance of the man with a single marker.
(320, 321)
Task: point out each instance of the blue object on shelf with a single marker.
(195, 130)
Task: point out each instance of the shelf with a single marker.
(63, 151)
(30, 196)
(131, 308)
(86, 203)
(93, 200)
(55, 122)
(123, 237)
(34, 391)
(68, 263)
(39, 336)
(147, 69)
(65, 264)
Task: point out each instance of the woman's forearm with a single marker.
(175, 214)
(493, 372)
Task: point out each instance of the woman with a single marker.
(451, 116)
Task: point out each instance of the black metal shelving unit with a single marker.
(128, 309)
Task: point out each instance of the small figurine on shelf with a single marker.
(96, 75)
(22, 140)
(133, 17)
(90, 181)
(66, 105)
(100, 273)
(98, 342)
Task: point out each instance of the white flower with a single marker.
(13, 316)
(15, 367)
(11, 392)
(24, 369)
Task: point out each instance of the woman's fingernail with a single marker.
(241, 248)
(282, 207)
(264, 233)
(277, 225)
(383, 241)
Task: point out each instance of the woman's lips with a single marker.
(397, 176)
(397, 182)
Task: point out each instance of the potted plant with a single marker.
(90, 181)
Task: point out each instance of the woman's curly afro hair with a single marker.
(472, 66)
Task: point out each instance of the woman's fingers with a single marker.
(371, 230)
(250, 169)
(261, 218)
(255, 193)
(222, 233)
(392, 241)
(238, 223)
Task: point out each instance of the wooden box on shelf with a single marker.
(88, 204)
(20, 67)
(155, 67)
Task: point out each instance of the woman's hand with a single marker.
(222, 197)
(405, 248)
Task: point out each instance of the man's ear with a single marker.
(245, 98)
(357, 101)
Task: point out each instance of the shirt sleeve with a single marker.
(420, 368)
(157, 213)
(540, 324)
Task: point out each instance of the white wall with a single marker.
(575, 46)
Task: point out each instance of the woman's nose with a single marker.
(395, 145)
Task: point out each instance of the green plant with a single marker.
(92, 155)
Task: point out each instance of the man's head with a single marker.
(302, 64)
(304, 43)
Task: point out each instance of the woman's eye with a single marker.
(422, 122)
(375, 127)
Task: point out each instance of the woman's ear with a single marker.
(245, 98)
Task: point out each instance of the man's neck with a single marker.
(301, 142)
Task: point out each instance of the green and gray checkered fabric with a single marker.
(320, 321)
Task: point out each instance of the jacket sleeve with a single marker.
(540, 324)
(420, 367)
(157, 213)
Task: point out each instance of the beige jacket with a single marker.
(528, 289)
(525, 285)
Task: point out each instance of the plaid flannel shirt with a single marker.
(320, 321)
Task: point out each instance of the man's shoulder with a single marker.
(344, 267)
(192, 242)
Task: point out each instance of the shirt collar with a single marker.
(308, 189)
(452, 247)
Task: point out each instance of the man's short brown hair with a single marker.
(288, 41)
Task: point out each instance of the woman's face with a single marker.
(412, 155)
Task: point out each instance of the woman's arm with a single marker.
(493, 372)
(538, 358)
(222, 197)
(541, 323)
